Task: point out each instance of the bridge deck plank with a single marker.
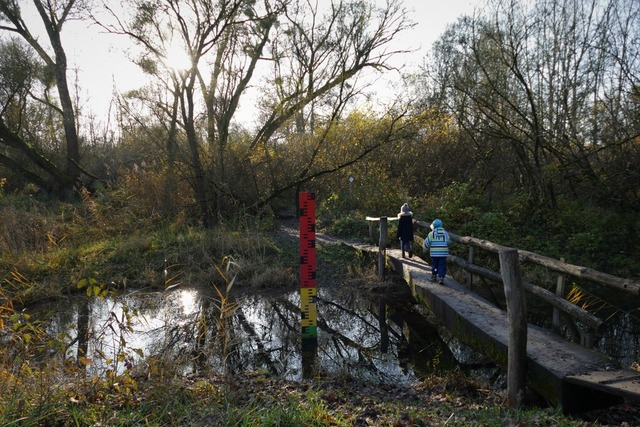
(625, 383)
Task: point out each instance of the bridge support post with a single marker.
(470, 259)
(517, 317)
(382, 244)
(560, 291)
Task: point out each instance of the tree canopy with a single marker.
(527, 103)
(548, 88)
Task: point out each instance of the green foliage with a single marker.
(351, 225)
(18, 71)
(493, 226)
(455, 204)
(93, 288)
(582, 234)
(305, 410)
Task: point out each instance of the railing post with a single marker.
(517, 317)
(586, 339)
(560, 291)
(470, 257)
(382, 244)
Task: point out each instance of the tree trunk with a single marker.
(68, 112)
(199, 183)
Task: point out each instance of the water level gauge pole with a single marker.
(308, 294)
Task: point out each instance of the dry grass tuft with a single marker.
(22, 231)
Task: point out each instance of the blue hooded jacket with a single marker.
(437, 241)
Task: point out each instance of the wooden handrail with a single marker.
(621, 284)
(549, 297)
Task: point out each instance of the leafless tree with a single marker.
(549, 83)
(316, 56)
(53, 15)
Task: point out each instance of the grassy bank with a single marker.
(255, 399)
(48, 247)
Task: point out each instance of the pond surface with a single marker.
(372, 334)
(362, 334)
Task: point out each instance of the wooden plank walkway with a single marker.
(564, 373)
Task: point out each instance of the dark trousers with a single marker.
(406, 246)
(439, 266)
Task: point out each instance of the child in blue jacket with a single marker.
(437, 241)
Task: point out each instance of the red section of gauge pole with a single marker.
(307, 240)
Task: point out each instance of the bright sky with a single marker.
(102, 65)
(432, 18)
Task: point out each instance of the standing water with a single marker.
(377, 337)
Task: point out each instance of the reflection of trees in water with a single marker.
(98, 333)
(83, 330)
(184, 338)
(68, 326)
(265, 333)
(360, 336)
(356, 340)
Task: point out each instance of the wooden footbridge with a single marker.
(565, 373)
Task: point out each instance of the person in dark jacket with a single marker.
(405, 230)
